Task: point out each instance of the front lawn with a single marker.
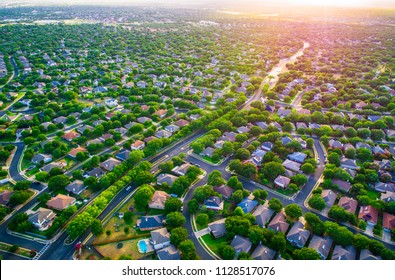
(213, 243)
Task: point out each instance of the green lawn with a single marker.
(373, 195)
(209, 159)
(213, 243)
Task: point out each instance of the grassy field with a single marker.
(129, 248)
(213, 243)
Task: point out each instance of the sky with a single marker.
(218, 3)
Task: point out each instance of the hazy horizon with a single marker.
(211, 3)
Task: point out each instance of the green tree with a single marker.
(143, 196)
(215, 178)
(278, 242)
(178, 235)
(272, 169)
(193, 206)
(315, 223)
(174, 219)
(307, 168)
(188, 250)
(58, 182)
(79, 224)
(226, 251)
(22, 185)
(338, 213)
(172, 204)
(275, 204)
(96, 227)
(293, 211)
(202, 220)
(317, 202)
(255, 234)
(306, 254)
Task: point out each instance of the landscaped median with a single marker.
(15, 249)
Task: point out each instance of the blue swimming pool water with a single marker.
(143, 246)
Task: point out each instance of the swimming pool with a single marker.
(142, 246)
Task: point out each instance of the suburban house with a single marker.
(143, 120)
(172, 128)
(214, 203)
(291, 165)
(388, 222)
(279, 223)
(298, 235)
(333, 144)
(262, 252)
(369, 215)
(41, 158)
(181, 123)
(262, 215)
(348, 163)
(182, 169)
(267, 146)
(158, 200)
(42, 218)
(76, 187)
(282, 181)
(161, 113)
(217, 228)
(61, 202)
(208, 152)
(340, 253)
(367, 255)
(123, 155)
(162, 134)
(349, 204)
(343, 185)
(169, 253)
(223, 190)
(329, 197)
(297, 157)
(150, 222)
(96, 172)
(61, 164)
(5, 197)
(83, 128)
(241, 244)
(384, 187)
(70, 136)
(138, 145)
(247, 205)
(321, 245)
(166, 178)
(73, 153)
(160, 238)
(388, 197)
(109, 164)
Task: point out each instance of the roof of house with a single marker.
(41, 215)
(182, 123)
(75, 151)
(95, 172)
(329, 197)
(262, 215)
(321, 245)
(241, 244)
(343, 185)
(217, 228)
(247, 205)
(298, 157)
(369, 214)
(168, 253)
(40, 157)
(349, 204)
(158, 200)
(168, 178)
(297, 235)
(340, 253)
(150, 222)
(109, 164)
(346, 162)
(60, 202)
(367, 255)
(279, 223)
(388, 221)
(388, 197)
(5, 197)
(384, 187)
(182, 169)
(160, 236)
(291, 165)
(76, 187)
(123, 155)
(225, 191)
(212, 202)
(262, 252)
(70, 135)
(282, 181)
